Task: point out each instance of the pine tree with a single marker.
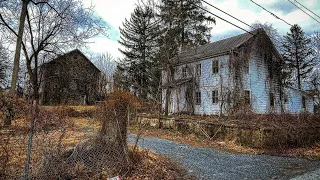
(138, 37)
(298, 56)
(185, 23)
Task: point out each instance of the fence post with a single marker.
(34, 113)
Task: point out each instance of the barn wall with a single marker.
(70, 79)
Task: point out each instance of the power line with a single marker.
(303, 11)
(225, 13)
(307, 8)
(232, 17)
(224, 20)
(271, 13)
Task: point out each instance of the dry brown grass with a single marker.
(194, 140)
(147, 164)
(47, 139)
(311, 152)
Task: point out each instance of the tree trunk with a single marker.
(16, 61)
(166, 107)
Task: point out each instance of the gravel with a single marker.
(210, 163)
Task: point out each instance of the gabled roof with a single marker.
(215, 48)
(68, 53)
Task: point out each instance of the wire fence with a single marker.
(64, 149)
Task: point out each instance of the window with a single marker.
(303, 102)
(215, 66)
(246, 66)
(198, 70)
(198, 98)
(271, 96)
(184, 72)
(215, 95)
(286, 100)
(247, 99)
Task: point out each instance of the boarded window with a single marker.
(247, 98)
(215, 66)
(215, 96)
(184, 72)
(303, 102)
(198, 98)
(271, 96)
(198, 69)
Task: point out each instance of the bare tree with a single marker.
(270, 31)
(3, 65)
(315, 43)
(107, 64)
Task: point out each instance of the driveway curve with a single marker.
(210, 163)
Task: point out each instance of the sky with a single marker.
(114, 12)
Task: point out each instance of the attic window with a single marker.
(215, 66)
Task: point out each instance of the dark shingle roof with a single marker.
(61, 58)
(214, 48)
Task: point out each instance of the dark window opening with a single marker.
(247, 99)
(184, 72)
(303, 102)
(215, 66)
(271, 96)
(215, 98)
(246, 66)
(198, 69)
(198, 98)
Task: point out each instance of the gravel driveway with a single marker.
(209, 163)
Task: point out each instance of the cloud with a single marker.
(114, 13)
(103, 45)
(283, 7)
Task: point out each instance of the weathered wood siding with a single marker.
(257, 81)
(294, 102)
(69, 79)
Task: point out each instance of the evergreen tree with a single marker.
(298, 57)
(138, 37)
(184, 23)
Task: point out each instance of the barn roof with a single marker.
(68, 53)
(214, 49)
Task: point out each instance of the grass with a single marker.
(13, 148)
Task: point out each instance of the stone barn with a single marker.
(70, 79)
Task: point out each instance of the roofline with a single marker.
(203, 58)
(75, 50)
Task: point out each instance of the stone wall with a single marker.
(252, 137)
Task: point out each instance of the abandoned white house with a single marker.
(241, 71)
